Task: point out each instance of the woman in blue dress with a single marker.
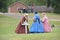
(37, 26)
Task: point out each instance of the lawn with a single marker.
(8, 26)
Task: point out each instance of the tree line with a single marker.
(54, 3)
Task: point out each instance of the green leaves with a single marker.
(3, 5)
(55, 4)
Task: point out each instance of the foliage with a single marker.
(3, 5)
(55, 4)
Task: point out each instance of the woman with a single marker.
(21, 28)
(47, 26)
(37, 25)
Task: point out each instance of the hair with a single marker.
(36, 12)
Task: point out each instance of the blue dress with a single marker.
(37, 26)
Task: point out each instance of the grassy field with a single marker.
(50, 15)
(8, 26)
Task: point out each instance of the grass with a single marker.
(8, 26)
(49, 15)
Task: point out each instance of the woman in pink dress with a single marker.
(47, 26)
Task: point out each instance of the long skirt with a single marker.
(37, 27)
(21, 29)
(47, 27)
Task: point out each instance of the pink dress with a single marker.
(47, 26)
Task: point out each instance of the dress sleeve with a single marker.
(34, 18)
(44, 19)
(22, 20)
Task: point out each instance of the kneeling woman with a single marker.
(37, 26)
(47, 26)
(21, 28)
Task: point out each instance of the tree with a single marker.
(3, 5)
(55, 4)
